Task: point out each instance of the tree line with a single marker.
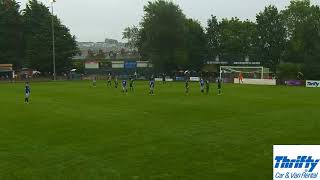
(26, 37)
(286, 40)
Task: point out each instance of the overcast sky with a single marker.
(94, 20)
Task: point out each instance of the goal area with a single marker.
(247, 72)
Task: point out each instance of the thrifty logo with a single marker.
(300, 162)
(315, 84)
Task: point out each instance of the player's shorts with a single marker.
(27, 95)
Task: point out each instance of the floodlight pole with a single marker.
(53, 42)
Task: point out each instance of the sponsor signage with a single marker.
(294, 83)
(117, 64)
(91, 65)
(297, 162)
(167, 79)
(271, 82)
(179, 78)
(130, 64)
(246, 63)
(217, 62)
(194, 79)
(142, 64)
(313, 84)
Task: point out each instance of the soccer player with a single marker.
(202, 85)
(151, 85)
(219, 86)
(124, 86)
(116, 82)
(131, 84)
(187, 86)
(240, 77)
(163, 78)
(109, 80)
(94, 81)
(207, 86)
(135, 75)
(27, 91)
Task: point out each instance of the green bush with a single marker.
(290, 71)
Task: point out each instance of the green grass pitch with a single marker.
(71, 130)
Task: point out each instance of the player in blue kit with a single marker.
(27, 93)
(151, 86)
(202, 85)
(124, 86)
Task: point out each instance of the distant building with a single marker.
(6, 71)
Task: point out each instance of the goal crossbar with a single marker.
(260, 69)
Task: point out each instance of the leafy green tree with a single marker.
(131, 35)
(302, 21)
(213, 38)
(289, 70)
(195, 45)
(101, 54)
(38, 39)
(271, 36)
(162, 35)
(10, 33)
(248, 35)
(90, 54)
(296, 17)
(237, 39)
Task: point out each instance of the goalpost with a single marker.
(257, 75)
(250, 72)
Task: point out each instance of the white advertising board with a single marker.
(167, 79)
(270, 82)
(313, 84)
(194, 79)
(299, 162)
(92, 65)
(117, 64)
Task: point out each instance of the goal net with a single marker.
(247, 72)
